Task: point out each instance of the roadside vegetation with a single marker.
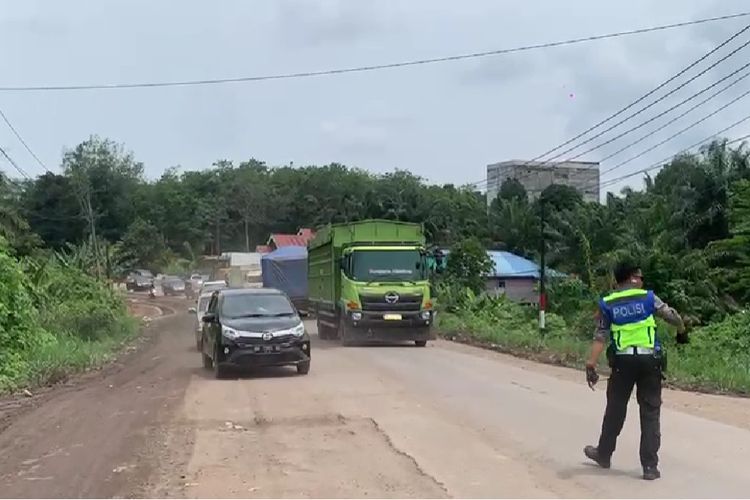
(67, 234)
(689, 229)
(55, 319)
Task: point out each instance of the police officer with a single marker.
(626, 318)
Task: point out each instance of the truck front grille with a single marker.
(406, 302)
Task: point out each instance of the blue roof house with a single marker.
(515, 276)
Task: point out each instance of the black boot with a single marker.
(593, 453)
(651, 473)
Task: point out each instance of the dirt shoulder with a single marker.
(94, 436)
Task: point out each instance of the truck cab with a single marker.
(369, 282)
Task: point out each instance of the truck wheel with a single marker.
(420, 343)
(303, 368)
(346, 341)
(322, 330)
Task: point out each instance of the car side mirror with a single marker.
(209, 318)
(192, 310)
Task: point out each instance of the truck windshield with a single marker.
(387, 265)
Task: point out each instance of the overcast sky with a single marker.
(444, 121)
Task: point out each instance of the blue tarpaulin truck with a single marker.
(286, 269)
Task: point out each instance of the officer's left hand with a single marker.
(591, 376)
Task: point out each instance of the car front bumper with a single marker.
(253, 352)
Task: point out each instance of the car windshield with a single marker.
(253, 304)
(387, 265)
(203, 303)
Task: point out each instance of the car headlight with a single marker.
(229, 333)
(425, 315)
(356, 316)
(298, 330)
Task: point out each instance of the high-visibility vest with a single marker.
(631, 317)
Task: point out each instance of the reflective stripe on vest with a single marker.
(631, 316)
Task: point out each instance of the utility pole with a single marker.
(542, 266)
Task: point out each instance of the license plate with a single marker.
(392, 317)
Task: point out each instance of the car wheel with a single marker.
(420, 343)
(303, 367)
(219, 369)
(208, 363)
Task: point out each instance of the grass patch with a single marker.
(68, 354)
(716, 361)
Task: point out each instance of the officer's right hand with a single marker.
(591, 376)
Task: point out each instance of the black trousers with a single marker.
(643, 371)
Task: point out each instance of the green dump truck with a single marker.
(369, 281)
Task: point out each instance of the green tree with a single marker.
(468, 265)
(512, 189)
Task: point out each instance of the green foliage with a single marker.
(54, 318)
(20, 330)
(718, 357)
(468, 265)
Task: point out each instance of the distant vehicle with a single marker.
(286, 269)
(199, 311)
(139, 280)
(253, 327)
(172, 285)
(212, 286)
(194, 284)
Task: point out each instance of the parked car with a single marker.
(253, 327)
(199, 310)
(172, 285)
(139, 280)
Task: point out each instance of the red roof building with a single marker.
(301, 239)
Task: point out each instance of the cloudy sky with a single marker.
(444, 121)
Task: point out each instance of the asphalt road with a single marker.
(441, 421)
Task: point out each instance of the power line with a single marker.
(663, 113)
(358, 69)
(25, 145)
(683, 114)
(15, 165)
(679, 87)
(647, 94)
(640, 99)
(683, 151)
(677, 134)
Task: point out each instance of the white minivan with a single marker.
(200, 310)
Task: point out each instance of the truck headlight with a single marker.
(356, 316)
(425, 315)
(229, 333)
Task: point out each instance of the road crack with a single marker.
(409, 457)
